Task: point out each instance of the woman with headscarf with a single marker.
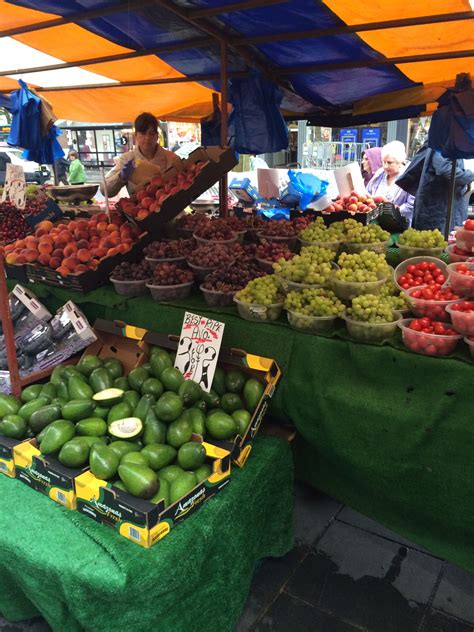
(383, 183)
(371, 162)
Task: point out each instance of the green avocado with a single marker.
(109, 397)
(131, 397)
(78, 389)
(91, 440)
(163, 494)
(242, 417)
(92, 427)
(154, 430)
(253, 391)
(179, 431)
(191, 455)
(182, 486)
(40, 418)
(152, 386)
(101, 411)
(119, 485)
(137, 377)
(56, 435)
(10, 406)
(77, 409)
(135, 457)
(100, 380)
(172, 379)
(218, 383)
(124, 447)
(198, 421)
(103, 461)
(62, 390)
(30, 392)
(190, 392)
(234, 381)
(74, 453)
(203, 472)
(212, 399)
(231, 402)
(70, 371)
(169, 407)
(27, 409)
(48, 390)
(144, 406)
(89, 363)
(55, 375)
(119, 411)
(114, 367)
(13, 426)
(220, 425)
(126, 428)
(159, 361)
(139, 480)
(170, 472)
(200, 405)
(159, 455)
(121, 383)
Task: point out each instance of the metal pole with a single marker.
(452, 187)
(8, 332)
(223, 208)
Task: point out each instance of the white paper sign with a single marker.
(198, 348)
(349, 178)
(15, 186)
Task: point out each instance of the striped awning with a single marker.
(104, 61)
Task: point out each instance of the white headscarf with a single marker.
(396, 150)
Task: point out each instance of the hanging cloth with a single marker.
(25, 128)
(452, 125)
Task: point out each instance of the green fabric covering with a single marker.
(80, 575)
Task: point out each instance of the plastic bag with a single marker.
(256, 121)
(308, 186)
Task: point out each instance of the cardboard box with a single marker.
(218, 161)
(45, 474)
(264, 369)
(139, 520)
(244, 190)
(7, 463)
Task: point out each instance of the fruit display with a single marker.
(456, 254)
(139, 440)
(268, 252)
(428, 337)
(220, 286)
(129, 279)
(74, 247)
(215, 231)
(465, 237)
(13, 225)
(357, 237)
(207, 258)
(360, 273)
(150, 199)
(371, 318)
(420, 271)
(243, 251)
(414, 243)
(431, 301)
(461, 278)
(303, 271)
(354, 203)
(313, 310)
(260, 300)
(397, 299)
(171, 249)
(170, 282)
(462, 316)
(319, 234)
(275, 229)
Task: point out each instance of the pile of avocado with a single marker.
(133, 431)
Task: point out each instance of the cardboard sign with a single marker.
(198, 348)
(349, 178)
(15, 186)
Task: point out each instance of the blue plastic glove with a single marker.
(127, 170)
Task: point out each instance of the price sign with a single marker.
(15, 186)
(198, 348)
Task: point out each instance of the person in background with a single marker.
(432, 197)
(371, 162)
(77, 175)
(383, 182)
(61, 168)
(146, 148)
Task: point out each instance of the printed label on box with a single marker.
(198, 348)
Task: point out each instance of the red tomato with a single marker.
(469, 224)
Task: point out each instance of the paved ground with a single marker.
(347, 573)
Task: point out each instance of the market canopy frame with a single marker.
(357, 63)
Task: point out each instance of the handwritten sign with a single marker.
(15, 186)
(198, 348)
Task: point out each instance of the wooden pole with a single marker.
(223, 199)
(8, 332)
(452, 187)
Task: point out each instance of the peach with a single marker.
(81, 268)
(124, 247)
(9, 248)
(11, 258)
(81, 234)
(142, 213)
(31, 241)
(94, 232)
(141, 195)
(20, 259)
(99, 252)
(113, 228)
(82, 243)
(63, 271)
(54, 262)
(113, 251)
(102, 217)
(93, 264)
(71, 262)
(101, 227)
(31, 255)
(58, 252)
(154, 206)
(83, 255)
(44, 259)
(70, 249)
(44, 247)
(146, 202)
(20, 243)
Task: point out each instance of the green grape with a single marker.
(309, 268)
(314, 302)
(371, 308)
(362, 267)
(264, 290)
(317, 231)
(422, 238)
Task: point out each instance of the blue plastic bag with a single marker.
(452, 125)
(25, 130)
(307, 185)
(256, 122)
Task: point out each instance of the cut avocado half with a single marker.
(127, 428)
(109, 397)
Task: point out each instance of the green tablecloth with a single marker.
(382, 429)
(80, 575)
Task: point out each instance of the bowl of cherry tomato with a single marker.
(462, 317)
(420, 271)
(456, 254)
(461, 278)
(428, 337)
(465, 236)
(431, 301)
